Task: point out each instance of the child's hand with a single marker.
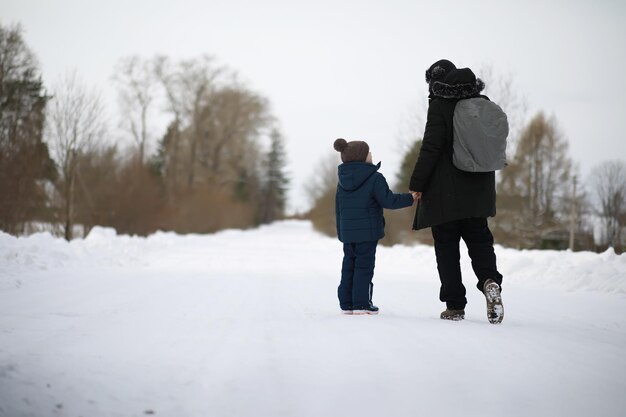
(416, 195)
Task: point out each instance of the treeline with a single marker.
(542, 201)
(219, 160)
(218, 163)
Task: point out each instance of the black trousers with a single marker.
(357, 270)
(479, 240)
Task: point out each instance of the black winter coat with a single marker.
(447, 192)
(362, 193)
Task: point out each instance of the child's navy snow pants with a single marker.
(357, 271)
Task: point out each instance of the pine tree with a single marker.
(24, 157)
(274, 194)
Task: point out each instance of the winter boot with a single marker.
(455, 315)
(370, 310)
(495, 310)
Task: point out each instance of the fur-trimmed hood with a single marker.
(458, 83)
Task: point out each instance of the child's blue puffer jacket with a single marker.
(362, 193)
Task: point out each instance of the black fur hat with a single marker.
(438, 70)
(353, 151)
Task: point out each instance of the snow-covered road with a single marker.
(247, 324)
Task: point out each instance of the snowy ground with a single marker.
(247, 324)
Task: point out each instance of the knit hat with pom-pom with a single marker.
(353, 151)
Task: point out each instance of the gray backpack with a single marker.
(480, 132)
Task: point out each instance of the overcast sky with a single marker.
(355, 69)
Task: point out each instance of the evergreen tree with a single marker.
(24, 157)
(276, 182)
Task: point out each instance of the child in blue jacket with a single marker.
(362, 193)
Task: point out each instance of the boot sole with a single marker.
(495, 309)
(364, 313)
(453, 318)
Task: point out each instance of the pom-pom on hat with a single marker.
(353, 151)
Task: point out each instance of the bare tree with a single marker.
(170, 145)
(217, 121)
(324, 178)
(188, 86)
(211, 153)
(410, 130)
(321, 192)
(137, 92)
(232, 123)
(535, 186)
(501, 89)
(76, 123)
(580, 228)
(609, 182)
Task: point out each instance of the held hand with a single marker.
(416, 195)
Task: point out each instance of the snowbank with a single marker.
(579, 271)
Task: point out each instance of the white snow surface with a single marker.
(247, 323)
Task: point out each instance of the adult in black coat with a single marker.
(454, 203)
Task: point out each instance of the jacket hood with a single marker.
(353, 174)
(458, 83)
